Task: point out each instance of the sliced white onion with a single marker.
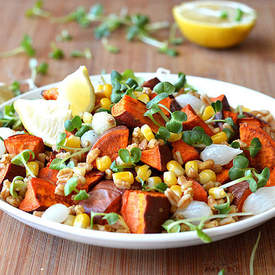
(56, 213)
(220, 153)
(195, 209)
(89, 138)
(185, 99)
(260, 201)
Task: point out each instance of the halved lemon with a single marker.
(78, 91)
(43, 118)
(215, 24)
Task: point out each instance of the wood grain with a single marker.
(24, 250)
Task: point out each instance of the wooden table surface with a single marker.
(24, 250)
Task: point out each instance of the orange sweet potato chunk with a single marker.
(223, 176)
(40, 195)
(250, 121)
(199, 193)
(194, 120)
(9, 171)
(18, 143)
(111, 141)
(266, 156)
(187, 152)
(240, 192)
(92, 178)
(157, 157)
(50, 94)
(144, 212)
(48, 174)
(130, 112)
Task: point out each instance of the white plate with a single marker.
(236, 95)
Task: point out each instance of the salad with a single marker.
(136, 156)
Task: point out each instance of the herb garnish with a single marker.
(71, 186)
(130, 158)
(196, 137)
(111, 218)
(8, 118)
(252, 257)
(86, 53)
(56, 53)
(17, 184)
(37, 10)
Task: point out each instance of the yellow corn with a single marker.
(170, 178)
(34, 167)
(176, 189)
(174, 137)
(99, 88)
(107, 88)
(153, 181)
(220, 137)
(73, 141)
(123, 176)
(103, 163)
(144, 98)
(87, 118)
(82, 221)
(191, 168)
(208, 112)
(105, 103)
(207, 175)
(217, 193)
(143, 173)
(70, 220)
(147, 132)
(175, 167)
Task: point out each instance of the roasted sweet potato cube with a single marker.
(271, 181)
(240, 192)
(130, 112)
(111, 141)
(223, 176)
(250, 121)
(186, 152)
(233, 115)
(266, 156)
(199, 193)
(151, 83)
(48, 174)
(144, 212)
(9, 171)
(92, 178)
(104, 197)
(157, 157)
(40, 195)
(224, 101)
(194, 120)
(18, 143)
(50, 94)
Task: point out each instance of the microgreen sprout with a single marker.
(172, 35)
(110, 48)
(16, 185)
(22, 160)
(239, 15)
(181, 82)
(130, 158)
(196, 137)
(239, 110)
(56, 53)
(253, 253)
(116, 168)
(64, 36)
(172, 226)
(160, 187)
(8, 118)
(86, 53)
(37, 10)
(223, 208)
(255, 147)
(164, 87)
(111, 218)
(71, 186)
(15, 88)
(25, 47)
(36, 68)
(75, 123)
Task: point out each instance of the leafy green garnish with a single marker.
(37, 10)
(8, 118)
(71, 186)
(56, 53)
(25, 47)
(224, 208)
(111, 218)
(110, 48)
(15, 88)
(22, 160)
(253, 253)
(86, 53)
(180, 82)
(196, 136)
(16, 185)
(217, 106)
(160, 187)
(75, 123)
(164, 87)
(163, 133)
(239, 15)
(116, 168)
(130, 158)
(255, 147)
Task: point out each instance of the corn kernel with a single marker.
(176, 189)
(143, 173)
(170, 178)
(207, 175)
(105, 103)
(219, 137)
(107, 88)
(191, 169)
(69, 220)
(174, 137)
(175, 167)
(147, 132)
(208, 113)
(82, 221)
(217, 193)
(87, 118)
(73, 141)
(153, 181)
(99, 88)
(103, 163)
(34, 167)
(144, 98)
(123, 176)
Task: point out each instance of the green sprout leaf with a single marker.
(82, 195)
(224, 208)
(174, 126)
(15, 88)
(180, 82)
(196, 136)
(179, 116)
(124, 155)
(86, 53)
(56, 53)
(37, 10)
(253, 253)
(70, 186)
(163, 133)
(116, 168)
(61, 140)
(255, 147)
(157, 99)
(57, 164)
(135, 155)
(164, 87)
(217, 106)
(16, 185)
(111, 218)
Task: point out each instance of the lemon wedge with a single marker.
(78, 91)
(215, 24)
(43, 118)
